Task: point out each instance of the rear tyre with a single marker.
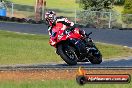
(68, 54)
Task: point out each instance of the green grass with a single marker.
(112, 51)
(20, 48)
(58, 84)
(61, 7)
(24, 2)
(16, 48)
(51, 3)
(62, 4)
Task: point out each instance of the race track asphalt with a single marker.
(24, 28)
(113, 36)
(124, 63)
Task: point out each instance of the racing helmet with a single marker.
(50, 16)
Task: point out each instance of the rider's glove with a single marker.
(82, 32)
(71, 28)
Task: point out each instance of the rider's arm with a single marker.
(65, 21)
(49, 30)
(71, 25)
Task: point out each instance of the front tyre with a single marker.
(95, 56)
(67, 53)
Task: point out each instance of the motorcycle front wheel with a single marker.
(95, 56)
(67, 53)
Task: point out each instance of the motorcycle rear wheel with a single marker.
(67, 53)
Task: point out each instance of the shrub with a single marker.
(119, 2)
(128, 7)
(127, 13)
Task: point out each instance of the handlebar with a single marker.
(88, 34)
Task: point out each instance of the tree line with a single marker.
(98, 5)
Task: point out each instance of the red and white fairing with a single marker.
(57, 34)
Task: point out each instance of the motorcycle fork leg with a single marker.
(57, 52)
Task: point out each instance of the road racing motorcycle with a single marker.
(73, 47)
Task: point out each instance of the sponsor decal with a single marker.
(83, 77)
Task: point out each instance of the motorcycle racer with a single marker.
(70, 42)
(52, 19)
